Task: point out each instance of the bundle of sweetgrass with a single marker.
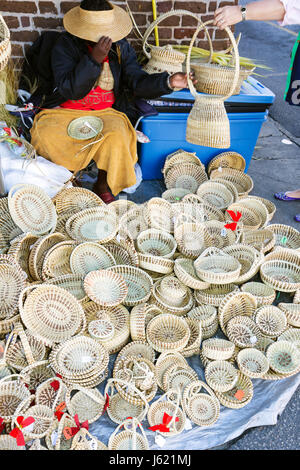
(9, 81)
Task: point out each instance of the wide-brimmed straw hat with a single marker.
(91, 25)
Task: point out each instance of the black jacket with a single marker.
(75, 73)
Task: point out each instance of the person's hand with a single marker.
(227, 16)
(179, 80)
(101, 49)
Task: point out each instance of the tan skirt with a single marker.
(115, 153)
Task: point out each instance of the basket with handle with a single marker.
(208, 124)
(164, 59)
(5, 45)
(129, 438)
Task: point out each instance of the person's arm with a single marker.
(264, 10)
(74, 75)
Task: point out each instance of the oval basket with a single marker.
(167, 333)
(95, 224)
(252, 363)
(138, 282)
(281, 275)
(243, 182)
(106, 288)
(73, 200)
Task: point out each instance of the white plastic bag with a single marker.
(139, 179)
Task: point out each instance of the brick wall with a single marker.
(27, 18)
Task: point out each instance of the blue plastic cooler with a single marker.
(166, 131)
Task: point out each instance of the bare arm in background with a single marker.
(264, 10)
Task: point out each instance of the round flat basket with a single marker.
(167, 404)
(133, 221)
(205, 314)
(156, 242)
(139, 349)
(219, 235)
(167, 333)
(271, 320)
(192, 238)
(202, 408)
(12, 282)
(286, 236)
(13, 393)
(249, 258)
(79, 358)
(88, 257)
(119, 409)
(221, 376)
(95, 224)
(139, 318)
(20, 250)
(129, 439)
(85, 127)
(73, 283)
(50, 312)
(216, 194)
(265, 295)
(32, 209)
(178, 378)
(218, 349)
(73, 200)
(123, 253)
(156, 264)
(236, 304)
(50, 393)
(281, 275)
(242, 181)
(179, 157)
(284, 357)
(292, 313)
(292, 335)
(83, 440)
(186, 175)
(105, 288)
(239, 396)
(166, 360)
(88, 404)
(214, 294)
(227, 160)
(101, 329)
(250, 219)
(243, 331)
(193, 345)
(27, 350)
(38, 253)
(138, 282)
(186, 273)
(158, 213)
(252, 363)
(177, 300)
(258, 207)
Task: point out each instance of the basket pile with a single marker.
(156, 283)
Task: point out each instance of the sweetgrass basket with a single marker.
(186, 175)
(292, 313)
(13, 392)
(155, 264)
(20, 353)
(38, 252)
(236, 304)
(179, 302)
(167, 332)
(20, 250)
(95, 224)
(129, 438)
(214, 294)
(193, 344)
(175, 194)
(123, 252)
(217, 349)
(217, 267)
(239, 396)
(105, 288)
(168, 403)
(73, 200)
(281, 275)
(284, 357)
(12, 282)
(286, 236)
(209, 212)
(88, 404)
(84, 440)
(32, 209)
(192, 238)
(178, 378)
(5, 45)
(138, 282)
(205, 314)
(262, 239)
(264, 294)
(243, 182)
(258, 207)
(186, 273)
(271, 320)
(221, 375)
(216, 194)
(243, 331)
(133, 221)
(139, 318)
(292, 335)
(121, 206)
(252, 363)
(179, 157)
(90, 256)
(164, 361)
(249, 258)
(157, 243)
(227, 160)
(138, 349)
(200, 404)
(158, 214)
(51, 393)
(43, 419)
(56, 261)
(250, 219)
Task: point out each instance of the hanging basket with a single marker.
(208, 123)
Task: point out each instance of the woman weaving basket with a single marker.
(93, 66)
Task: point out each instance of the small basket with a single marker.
(26, 351)
(233, 398)
(193, 344)
(38, 252)
(47, 394)
(205, 314)
(129, 439)
(178, 157)
(56, 262)
(20, 251)
(236, 304)
(219, 235)
(258, 207)
(166, 360)
(5, 45)
(216, 267)
(101, 329)
(167, 332)
(123, 252)
(32, 209)
(121, 206)
(281, 275)
(250, 219)
(158, 214)
(292, 335)
(270, 206)
(13, 394)
(243, 182)
(138, 282)
(12, 282)
(227, 160)
(73, 283)
(214, 294)
(156, 243)
(209, 212)
(186, 175)
(286, 236)
(221, 375)
(201, 407)
(252, 363)
(186, 273)
(218, 349)
(50, 313)
(177, 303)
(43, 420)
(262, 240)
(271, 320)
(175, 194)
(88, 404)
(105, 288)
(156, 264)
(73, 200)
(83, 440)
(249, 258)
(139, 318)
(140, 349)
(243, 331)
(96, 224)
(284, 357)
(264, 294)
(216, 194)
(292, 313)
(192, 239)
(88, 257)
(178, 378)
(167, 403)
(133, 221)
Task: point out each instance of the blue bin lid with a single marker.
(252, 91)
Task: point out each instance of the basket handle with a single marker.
(176, 404)
(88, 393)
(24, 405)
(25, 343)
(21, 298)
(167, 15)
(236, 69)
(111, 383)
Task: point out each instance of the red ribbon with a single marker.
(7, 130)
(17, 431)
(55, 385)
(72, 431)
(2, 425)
(163, 427)
(235, 217)
(59, 410)
(106, 404)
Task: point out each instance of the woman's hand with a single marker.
(179, 80)
(227, 16)
(101, 49)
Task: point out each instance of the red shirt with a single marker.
(95, 99)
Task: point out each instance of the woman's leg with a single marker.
(101, 187)
(295, 193)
